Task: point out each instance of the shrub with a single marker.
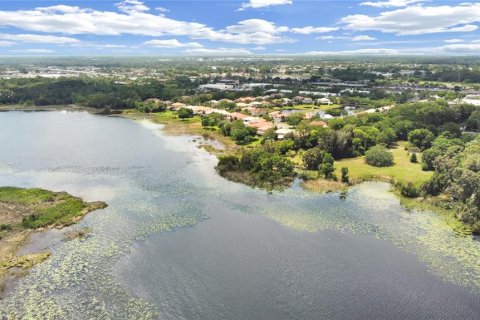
(4, 227)
(413, 158)
(409, 190)
(379, 156)
(184, 113)
(345, 178)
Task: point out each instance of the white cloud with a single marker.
(36, 38)
(326, 38)
(6, 43)
(391, 3)
(220, 51)
(461, 48)
(172, 43)
(356, 38)
(454, 41)
(255, 4)
(311, 30)
(363, 38)
(419, 20)
(162, 9)
(259, 48)
(135, 20)
(132, 6)
(255, 25)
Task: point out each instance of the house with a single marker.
(222, 112)
(261, 126)
(282, 132)
(326, 116)
(277, 116)
(307, 101)
(319, 124)
(298, 99)
(255, 111)
(242, 105)
(252, 120)
(213, 103)
(177, 105)
(256, 104)
(200, 110)
(245, 100)
(324, 101)
(286, 102)
(236, 116)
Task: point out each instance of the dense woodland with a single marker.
(95, 93)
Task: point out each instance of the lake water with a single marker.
(179, 242)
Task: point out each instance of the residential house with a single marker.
(237, 116)
(319, 124)
(261, 126)
(177, 105)
(324, 101)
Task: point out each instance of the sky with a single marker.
(239, 27)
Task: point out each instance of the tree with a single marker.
(473, 122)
(387, 136)
(313, 158)
(379, 156)
(327, 167)
(269, 135)
(345, 178)
(421, 138)
(413, 158)
(295, 118)
(184, 113)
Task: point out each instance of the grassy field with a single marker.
(25, 196)
(403, 170)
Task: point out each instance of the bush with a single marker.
(345, 178)
(409, 190)
(379, 156)
(184, 113)
(413, 158)
(4, 227)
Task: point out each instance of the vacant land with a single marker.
(403, 170)
(24, 210)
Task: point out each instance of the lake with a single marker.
(179, 242)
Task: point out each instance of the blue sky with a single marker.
(244, 27)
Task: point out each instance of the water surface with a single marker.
(179, 242)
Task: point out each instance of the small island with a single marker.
(23, 211)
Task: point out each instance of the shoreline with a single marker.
(26, 212)
(176, 127)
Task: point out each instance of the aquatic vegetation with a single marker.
(370, 209)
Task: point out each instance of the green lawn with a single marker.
(403, 170)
